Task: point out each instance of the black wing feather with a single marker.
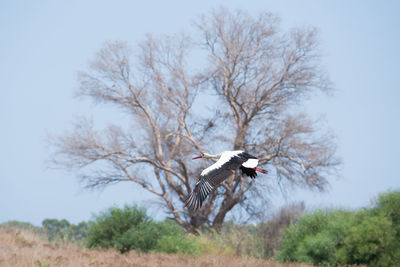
(249, 172)
(205, 185)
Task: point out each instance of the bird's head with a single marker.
(203, 156)
(199, 157)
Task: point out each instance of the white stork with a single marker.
(211, 177)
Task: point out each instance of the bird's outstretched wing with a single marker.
(211, 178)
(204, 186)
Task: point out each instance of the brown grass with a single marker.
(23, 248)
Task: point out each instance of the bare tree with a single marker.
(271, 232)
(255, 73)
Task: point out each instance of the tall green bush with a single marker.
(131, 228)
(389, 205)
(338, 237)
(113, 227)
(314, 237)
(368, 241)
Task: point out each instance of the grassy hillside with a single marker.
(25, 248)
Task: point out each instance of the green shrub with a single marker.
(368, 241)
(314, 237)
(109, 227)
(337, 237)
(389, 205)
(130, 228)
(178, 244)
(143, 237)
(316, 249)
(175, 240)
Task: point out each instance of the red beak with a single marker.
(198, 157)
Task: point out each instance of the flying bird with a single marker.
(211, 177)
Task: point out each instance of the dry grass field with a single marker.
(23, 248)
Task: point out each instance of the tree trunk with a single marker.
(240, 137)
(220, 217)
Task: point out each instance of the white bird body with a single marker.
(250, 163)
(211, 177)
(225, 157)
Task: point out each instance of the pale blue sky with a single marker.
(44, 43)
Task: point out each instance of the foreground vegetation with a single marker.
(339, 237)
(330, 237)
(130, 228)
(25, 248)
